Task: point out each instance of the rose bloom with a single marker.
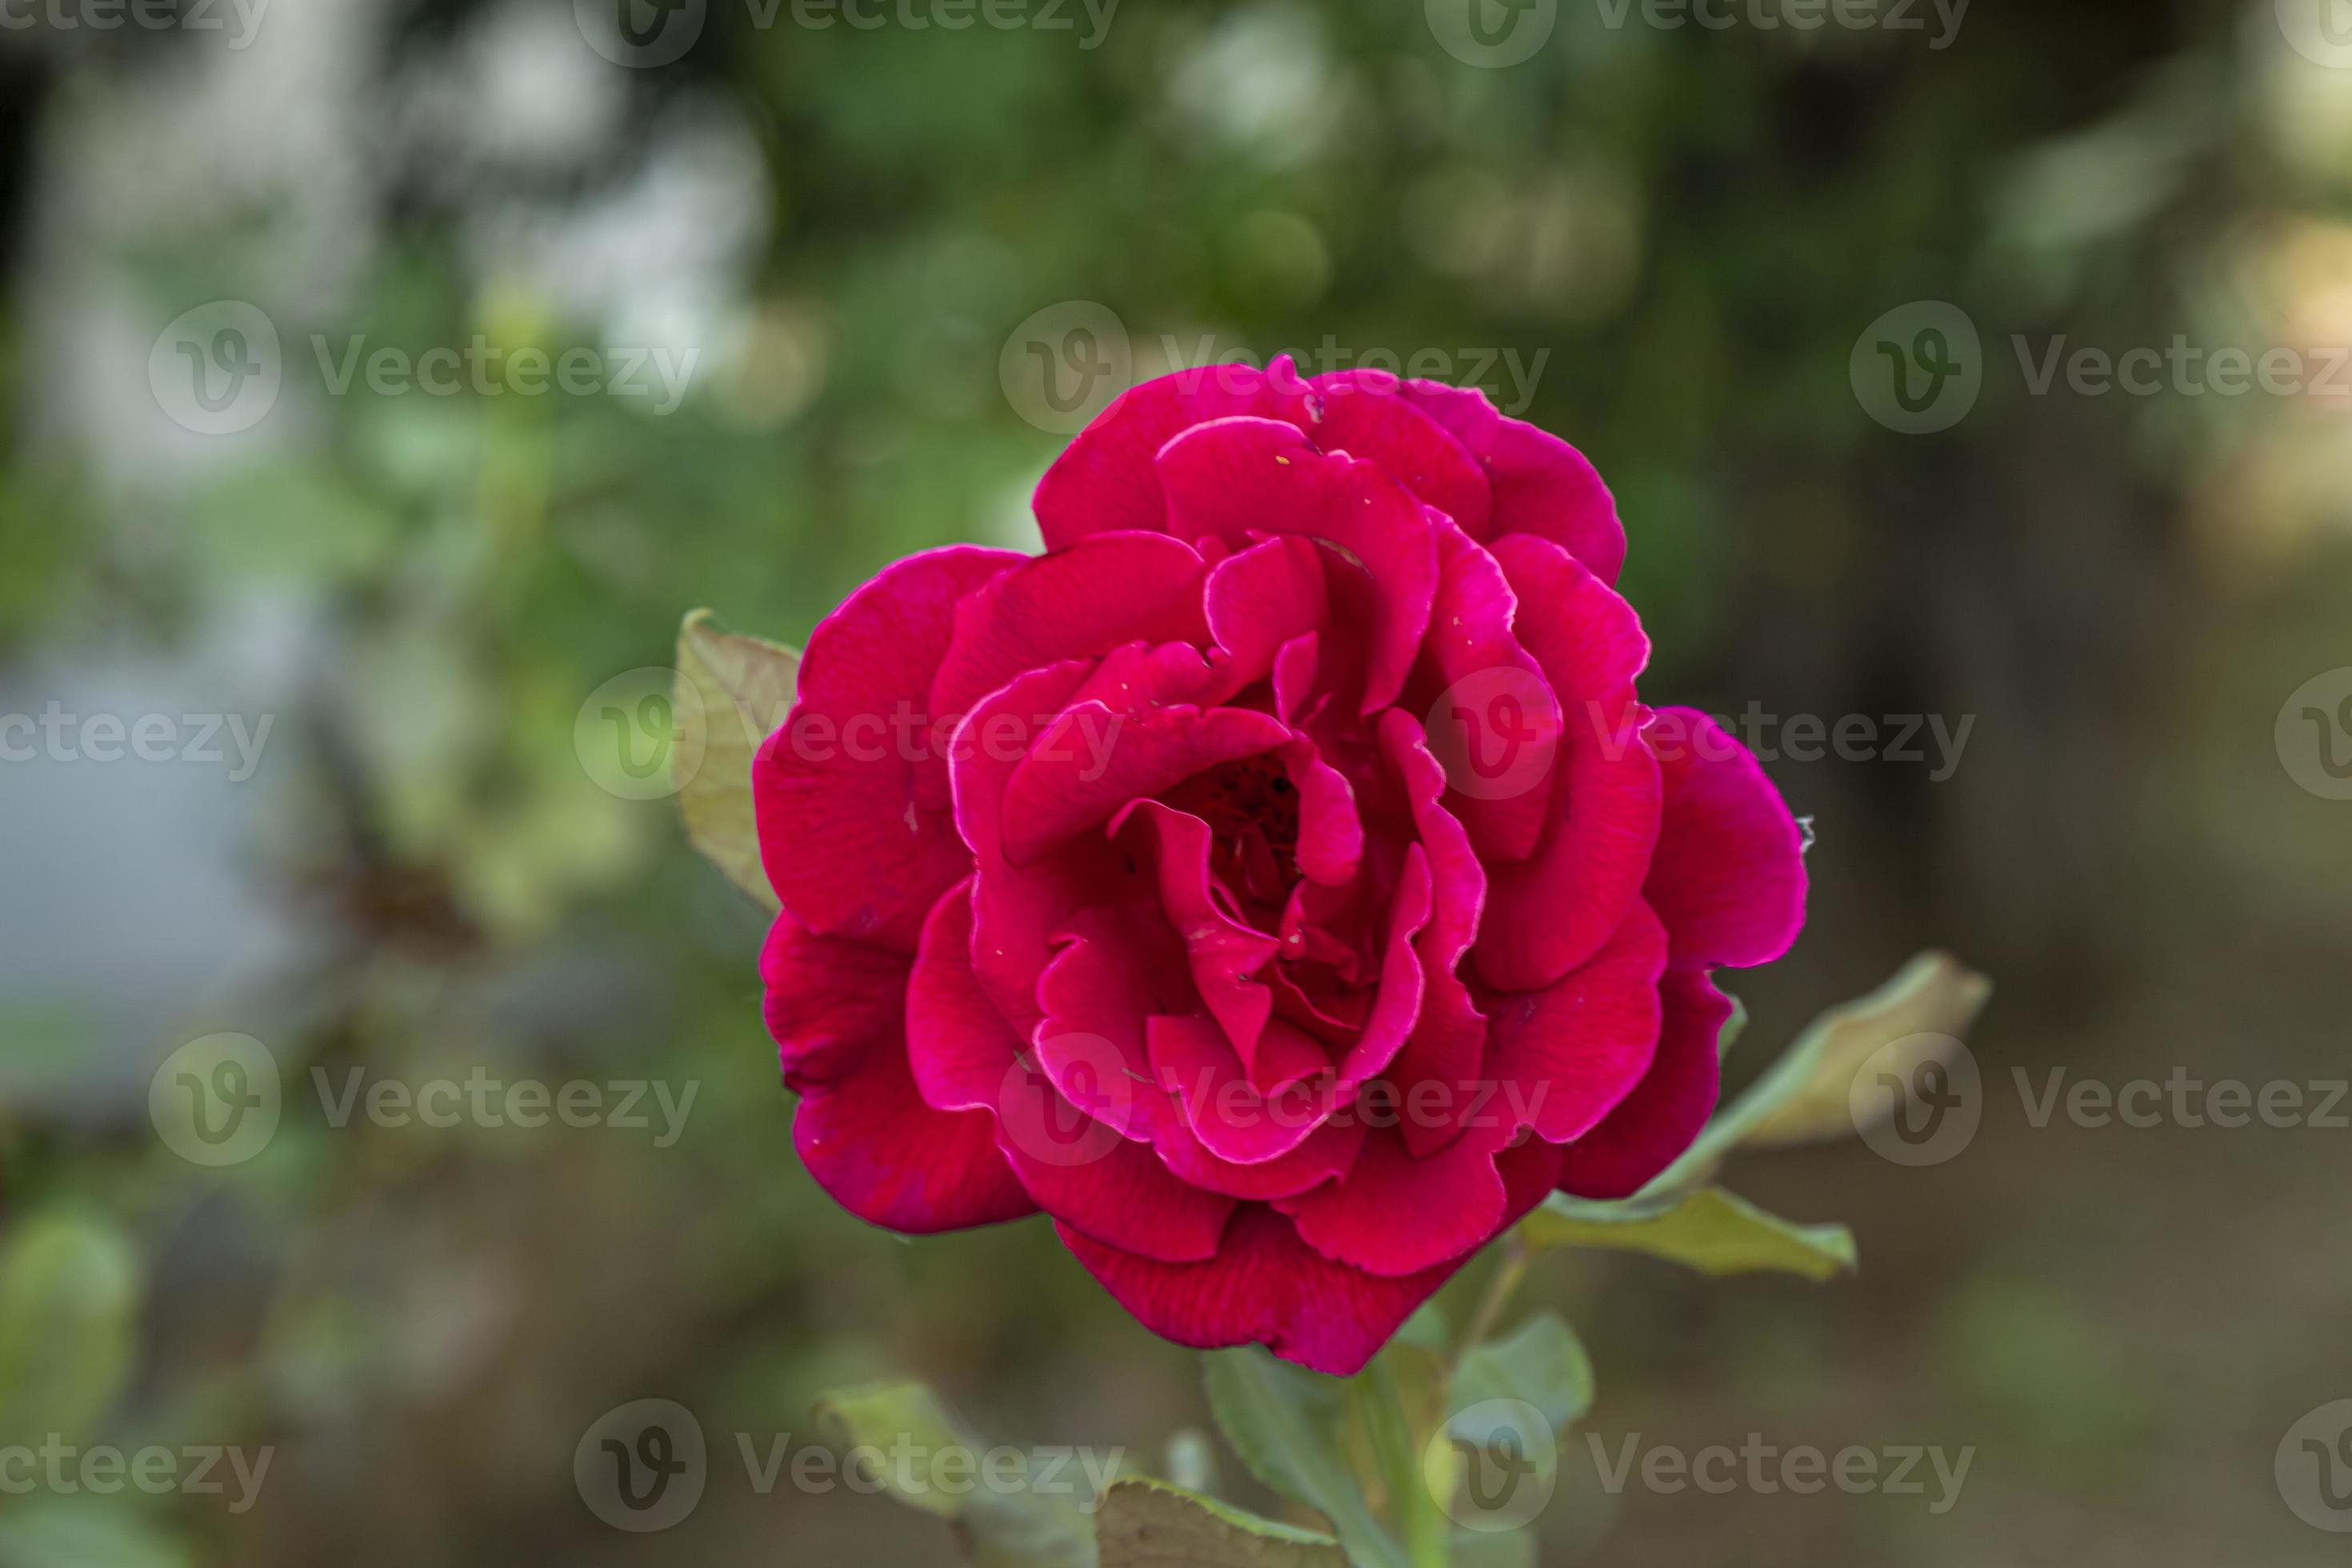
(1277, 882)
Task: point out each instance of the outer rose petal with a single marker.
(851, 845)
(1651, 1126)
(1550, 912)
(1105, 479)
(964, 1058)
(1541, 485)
(1729, 877)
(1266, 1286)
(837, 1009)
(1394, 1214)
(1100, 594)
(1569, 1054)
(1363, 414)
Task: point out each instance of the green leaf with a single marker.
(1733, 1028)
(1711, 1230)
(1540, 1363)
(1017, 1528)
(70, 1286)
(732, 692)
(1284, 1423)
(1804, 1096)
(1149, 1524)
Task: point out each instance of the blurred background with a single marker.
(324, 661)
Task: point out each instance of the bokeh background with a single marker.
(842, 240)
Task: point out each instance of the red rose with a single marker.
(1277, 881)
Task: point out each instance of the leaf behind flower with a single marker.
(732, 692)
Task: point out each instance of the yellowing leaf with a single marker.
(1149, 1524)
(1927, 1008)
(928, 1460)
(1803, 1097)
(732, 692)
(1710, 1230)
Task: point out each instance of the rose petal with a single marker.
(1729, 877)
(1566, 1056)
(1105, 480)
(1066, 786)
(1225, 955)
(1651, 1126)
(837, 1009)
(1240, 478)
(1550, 912)
(849, 845)
(1266, 1286)
(965, 1058)
(1447, 1047)
(1541, 485)
(1016, 908)
(1363, 414)
(1394, 1213)
(1230, 1116)
(1100, 594)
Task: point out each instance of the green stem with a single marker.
(1418, 1517)
(1504, 1284)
